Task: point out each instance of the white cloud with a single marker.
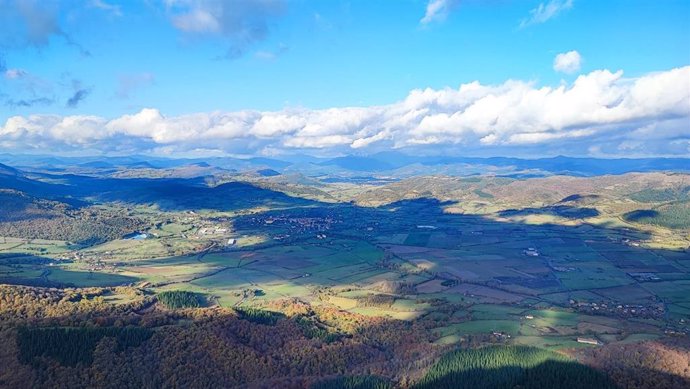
(107, 7)
(197, 21)
(366, 141)
(569, 62)
(546, 11)
(600, 111)
(42, 131)
(437, 10)
(489, 139)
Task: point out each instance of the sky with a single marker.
(272, 77)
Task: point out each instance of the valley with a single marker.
(558, 263)
(290, 194)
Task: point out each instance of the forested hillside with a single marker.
(59, 338)
(28, 217)
(510, 367)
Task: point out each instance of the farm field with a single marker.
(402, 261)
(288, 194)
(456, 274)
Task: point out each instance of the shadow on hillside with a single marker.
(406, 216)
(169, 194)
(579, 198)
(178, 196)
(420, 218)
(549, 375)
(565, 211)
(641, 214)
(269, 344)
(442, 239)
(236, 349)
(546, 375)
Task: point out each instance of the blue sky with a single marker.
(137, 76)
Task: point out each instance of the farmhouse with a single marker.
(630, 242)
(588, 341)
(644, 276)
(531, 252)
(500, 335)
(563, 269)
(136, 236)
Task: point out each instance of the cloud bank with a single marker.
(599, 112)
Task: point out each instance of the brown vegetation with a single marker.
(661, 364)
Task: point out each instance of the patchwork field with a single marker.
(495, 261)
(533, 282)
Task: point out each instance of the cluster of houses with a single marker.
(300, 223)
(641, 276)
(562, 269)
(212, 231)
(650, 311)
(629, 242)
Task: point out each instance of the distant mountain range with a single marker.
(385, 164)
(8, 171)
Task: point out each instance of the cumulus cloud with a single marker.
(569, 62)
(437, 10)
(240, 24)
(42, 130)
(598, 111)
(546, 11)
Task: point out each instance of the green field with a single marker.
(469, 272)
